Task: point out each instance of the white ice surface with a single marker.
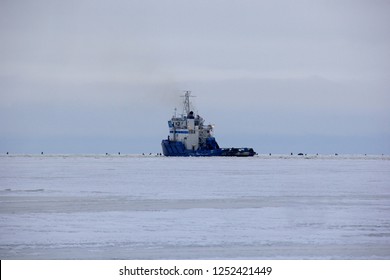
(135, 207)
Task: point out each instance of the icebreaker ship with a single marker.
(190, 136)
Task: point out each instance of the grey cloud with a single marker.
(94, 69)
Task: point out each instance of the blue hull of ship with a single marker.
(177, 149)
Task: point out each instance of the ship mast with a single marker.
(187, 104)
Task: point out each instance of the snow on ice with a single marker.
(147, 207)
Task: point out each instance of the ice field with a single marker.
(148, 207)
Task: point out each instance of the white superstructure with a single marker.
(188, 128)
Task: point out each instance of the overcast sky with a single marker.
(89, 76)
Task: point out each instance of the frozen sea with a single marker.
(150, 207)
